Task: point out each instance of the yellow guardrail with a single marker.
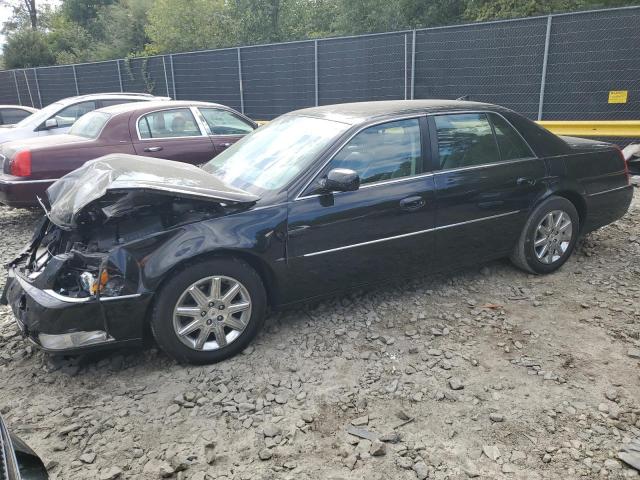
(600, 128)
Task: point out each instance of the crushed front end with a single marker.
(88, 275)
(68, 292)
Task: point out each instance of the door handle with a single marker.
(225, 145)
(152, 149)
(411, 204)
(526, 181)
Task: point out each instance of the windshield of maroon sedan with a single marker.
(273, 155)
(90, 124)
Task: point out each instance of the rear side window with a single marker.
(511, 144)
(383, 152)
(222, 122)
(13, 115)
(116, 101)
(178, 122)
(465, 140)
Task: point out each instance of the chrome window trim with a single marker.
(404, 235)
(202, 134)
(484, 112)
(484, 165)
(347, 140)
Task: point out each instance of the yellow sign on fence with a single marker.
(618, 96)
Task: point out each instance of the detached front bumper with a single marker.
(16, 192)
(61, 324)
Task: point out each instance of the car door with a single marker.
(383, 229)
(487, 180)
(225, 128)
(172, 134)
(66, 117)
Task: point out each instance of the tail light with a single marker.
(20, 164)
(626, 165)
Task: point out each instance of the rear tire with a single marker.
(548, 237)
(209, 311)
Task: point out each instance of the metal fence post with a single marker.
(413, 65)
(166, 81)
(315, 61)
(35, 75)
(406, 65)
(173, 78)
(119, 75)
(26, 80)
(15, 79)
(240, 81)
(75, 79)
(543, 80)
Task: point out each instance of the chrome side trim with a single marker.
(20, 182)
(66, 299)
(121, 297)
(419, 232)
(609, 190)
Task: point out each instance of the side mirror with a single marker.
(340, 180)
(51, 123)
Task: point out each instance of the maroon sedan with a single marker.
(191, 132)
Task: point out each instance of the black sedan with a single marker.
(317, 201)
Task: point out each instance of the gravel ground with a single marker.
(486, 372)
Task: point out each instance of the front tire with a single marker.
(548, 237)
(209, 311)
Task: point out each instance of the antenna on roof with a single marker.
(462, 98)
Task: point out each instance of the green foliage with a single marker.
(27, 48)
(85, 30)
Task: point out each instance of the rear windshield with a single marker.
(90, 125)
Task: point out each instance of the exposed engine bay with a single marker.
(86, 261)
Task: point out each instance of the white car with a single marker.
(10, 114)
(58, 117)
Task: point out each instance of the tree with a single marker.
(27, 48)
(183, 25)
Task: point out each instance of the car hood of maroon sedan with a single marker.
(133, 175)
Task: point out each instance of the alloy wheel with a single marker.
(212, 313)
(553, 236)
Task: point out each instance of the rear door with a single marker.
(487, 180)
(225, 127)
(172, 134)
(381, 230)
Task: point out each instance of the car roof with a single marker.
(154, 105)
(106, 95)
(354, 113)
(21, 107)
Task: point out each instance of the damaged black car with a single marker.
(317, 201)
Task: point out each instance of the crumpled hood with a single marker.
(124, 173)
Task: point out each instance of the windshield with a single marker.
(41, 115)
(90, 125)
(271, 156)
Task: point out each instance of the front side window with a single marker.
(178, 122)
(465, 140)
(382, 152)
(222, 122)
(68, 116)
(90, 125)
(511, 144)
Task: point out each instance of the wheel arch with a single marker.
(573, 196)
